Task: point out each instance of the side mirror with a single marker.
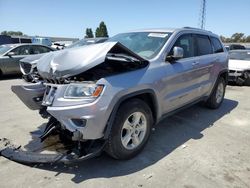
(10, 54)
(178, 53)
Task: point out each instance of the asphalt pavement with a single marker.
(196, 147)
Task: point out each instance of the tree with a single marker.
(102, 30)
(16, 33)
(4, 33)
(223, 39)
(247, 38)
(89, 33)
(237, 37)
(97, 32)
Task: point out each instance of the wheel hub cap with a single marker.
(219, 93)
(133, 130)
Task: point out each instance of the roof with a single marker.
(171, 30)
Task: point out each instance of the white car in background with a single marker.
(239, 67)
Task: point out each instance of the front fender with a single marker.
(122, 99)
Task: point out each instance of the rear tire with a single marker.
(217, 96)
(130, 130)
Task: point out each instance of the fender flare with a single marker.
(222, 72)
(216, 81)
(121, 100)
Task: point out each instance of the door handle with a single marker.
(195, 63)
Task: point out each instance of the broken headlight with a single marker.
(83, 90)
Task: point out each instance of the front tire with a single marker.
(130, 130)
(217, 96)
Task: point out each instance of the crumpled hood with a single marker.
(32, 59)
(238, 64)
(70, 62)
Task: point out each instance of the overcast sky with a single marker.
(64, 18)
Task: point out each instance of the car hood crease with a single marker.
(70, 62)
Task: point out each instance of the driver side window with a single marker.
(186, 42)
(22, 50)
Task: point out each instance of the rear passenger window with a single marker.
(186, 42)
(203, 45)
(217, 47)
(39, 49)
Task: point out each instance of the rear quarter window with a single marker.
(203, 45)
(217, 46)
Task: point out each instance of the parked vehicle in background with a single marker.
(235, 47)
(59, 45)
(42, 40)
(239, 67)
(30, 73)
(88, 41)
(10, 54)
(20, 39)
(109, 95)
(4, 39)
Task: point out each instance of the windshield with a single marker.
(244, 55)
(81, 43)
(145, 44)
(4, 49)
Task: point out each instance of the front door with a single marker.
(182, 80)
(11, 63)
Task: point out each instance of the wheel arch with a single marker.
(147, 95)
(223, 74)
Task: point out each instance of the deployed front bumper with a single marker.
(88, 119)
(15, 153)
(85, 118)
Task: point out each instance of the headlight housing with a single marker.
(83, 91)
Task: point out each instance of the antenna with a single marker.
(202, 16)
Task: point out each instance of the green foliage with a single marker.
(12, 33)
(89, 33)
(236, 37)
(102, 30)
(247, 39)
(97, 32)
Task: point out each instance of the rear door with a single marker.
(36, 49)
(182, 81)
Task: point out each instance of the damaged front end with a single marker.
(71, 95)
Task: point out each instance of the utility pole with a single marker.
(202, 16)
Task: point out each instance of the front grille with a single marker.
(49, 95)
(57, 81)
(26, 67)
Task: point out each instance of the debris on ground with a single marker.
(184, 146)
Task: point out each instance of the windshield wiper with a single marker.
(122, 57)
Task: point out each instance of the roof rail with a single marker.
(196, 28)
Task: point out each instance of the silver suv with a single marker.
(108, 96)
